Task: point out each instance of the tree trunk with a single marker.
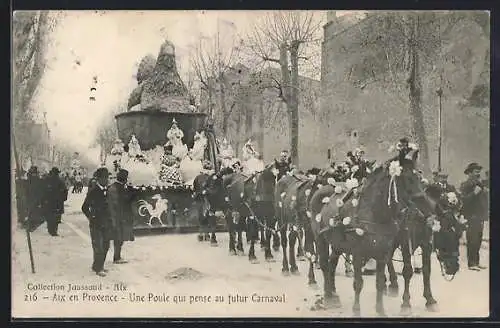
(293, 104)
(415, 95)
(225, 114)
(261, 125)
(285, 87)
(237, 139)
(248, 109)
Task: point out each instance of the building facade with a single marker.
(363, 104)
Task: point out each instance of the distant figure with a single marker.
(56, 194)
(96, 209)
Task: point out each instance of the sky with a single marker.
(110, 45)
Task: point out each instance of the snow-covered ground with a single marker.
(179, 265)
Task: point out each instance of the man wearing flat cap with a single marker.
(55, 194)
(475, 211)
(119, 202)
(96, 209)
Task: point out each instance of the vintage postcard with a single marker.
(250, 164)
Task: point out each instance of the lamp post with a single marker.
(439, 92)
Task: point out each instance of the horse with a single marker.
(280, 169)
(292, 194)
(317, 204)
(442, 234)
(321, 196)
(231, 192)
(262, 206)
(368, 227)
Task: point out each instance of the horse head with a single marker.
(214, 186)
(392, 189)
(447, 229)
(265, 182)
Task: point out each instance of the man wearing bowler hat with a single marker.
(96, 209)
(475, 210)
(119, 201)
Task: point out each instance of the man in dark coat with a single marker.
(119, 201)
(34, 199)
(96, 209)
(21, 192)
(475, 211)
(55, 194)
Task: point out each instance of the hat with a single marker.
(207, 165)
(122, 175)
(54, 170)
(101, 172)
(404, 141)
(471, 167)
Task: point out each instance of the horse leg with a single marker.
(267, 242)
(357, 284)
(310, 253)
(334, 260)
(252, 233)
(239, 246)
(213, 227)
(380, 285)
(300, 247)
(263, 237)
(232, 235)
(431, 303)
(203, 223)
(284, 240)
(393, 290)
(324, 255)
(276, 237)
(311, 276)
(293, 235)
(407, 274)
(348, 265)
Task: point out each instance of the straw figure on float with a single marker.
(141, 171)
(192, 164)
(251, 161)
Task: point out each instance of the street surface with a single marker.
(179, 265)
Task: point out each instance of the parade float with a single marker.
(164, 143)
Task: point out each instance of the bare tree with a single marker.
(281, 38)
(403, 48)
(106, 134)
(31, 30)
(211, 61)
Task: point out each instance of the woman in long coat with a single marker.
(119, 200)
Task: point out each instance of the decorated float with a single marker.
(164, 143)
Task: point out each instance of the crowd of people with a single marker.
(107, 206)
(40, 198)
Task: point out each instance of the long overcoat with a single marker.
(56, 194)
(96, 209)
(119, 201)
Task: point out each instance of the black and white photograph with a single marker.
(244, 163)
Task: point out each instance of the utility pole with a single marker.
(439, 92)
